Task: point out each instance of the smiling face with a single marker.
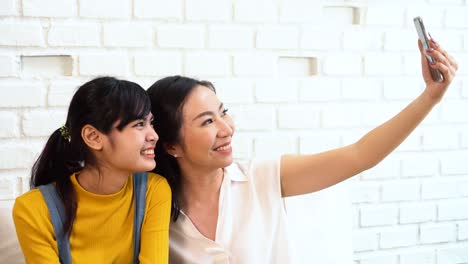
(132, 148)
(206, 131)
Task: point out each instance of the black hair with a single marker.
(168, 97)
(101, 103)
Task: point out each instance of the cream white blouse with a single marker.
(251, 225)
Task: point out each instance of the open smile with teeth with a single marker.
(223, 148)
(148, 152)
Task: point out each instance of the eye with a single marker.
(140, 124)
(224, 112)
(207, 122)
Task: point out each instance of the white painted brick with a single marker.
(452, 254)
(243, 146)
(417, 213)
(163, 63)
(464, 139)
(440, 138)
(339, 16)
(300, 11)
(401, 236)
(389, 168)
(208, 10)
(10, 125)
(450, 40)
(379, 215)
(235, 90)
(334, 116)
(248, 11)
(8, 66)
(411, 143)
(49, 8)
(385, 15)
(462, 67)
(437, 233)
(297, 66)
(362, 39)
(437, 189)
(160, 9)
(22, 94)
(318, 142)
(419, 256)
(319, 89)
(8, 186)
(274, 146)
(62, 91)
(400, 191)
(419, 166)
(298, 116)
(124, 34)
(375, 114)
(254, 118)
(462, 228)
(365, 240)
(454, 163)
(365, 192)
(446, 1)
(16, 155)
(397, 40)
(453, 210)
(277, 37)
(21, 34)
(108, 63)
(230, 37)
(383, 64)
(432, 16)
(276, 90)
(361, 89)
(403, 88)
(8, 8)
(255, 64)
(412, 65)
(342, 64)
(181, 36)
(320, 40)
(456, 17)
(74, 34)
(105, 8)
(39, 123)
(379, 258)
(454, 112)
(207, 64)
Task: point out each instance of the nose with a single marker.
(152, 136)
(226, 127)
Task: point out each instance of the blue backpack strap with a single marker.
(140, 180)
(57, 216)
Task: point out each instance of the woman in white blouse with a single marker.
(230, 213)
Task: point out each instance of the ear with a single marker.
(173, 150)
(92, 137)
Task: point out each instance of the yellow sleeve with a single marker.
(155, 228)
(34, 229)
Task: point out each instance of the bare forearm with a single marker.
(382, 140)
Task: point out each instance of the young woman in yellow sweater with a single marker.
(91, 160)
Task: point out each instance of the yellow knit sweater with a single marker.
(103, 228)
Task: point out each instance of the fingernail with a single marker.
(429, 50)
(432, 63)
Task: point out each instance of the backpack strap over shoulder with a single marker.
(57, 214)
(140, 181)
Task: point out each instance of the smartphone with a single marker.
(418, 23)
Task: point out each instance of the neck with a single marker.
(102, 180)
(200, 186)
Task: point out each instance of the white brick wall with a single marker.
(298, 77)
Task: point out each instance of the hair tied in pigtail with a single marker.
(65, 132)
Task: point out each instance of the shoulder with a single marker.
(257, 169)
(158, 183)
(30, 205)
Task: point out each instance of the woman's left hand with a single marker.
(445, 63)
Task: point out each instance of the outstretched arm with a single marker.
(301, 174)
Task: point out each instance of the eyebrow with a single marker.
(207, 112)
